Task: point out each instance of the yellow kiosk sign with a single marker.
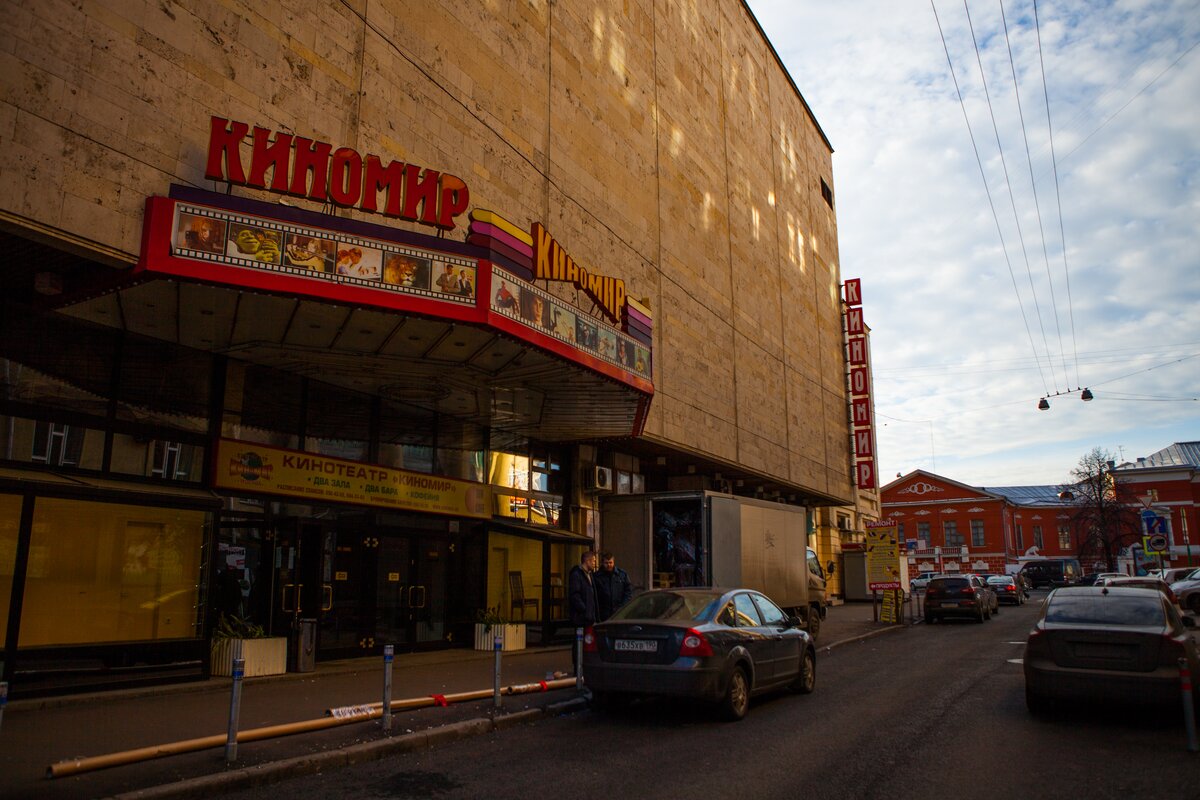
(883, 556)
(252, 467)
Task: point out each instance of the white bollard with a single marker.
(389, 652)
(235, 704)
(579, 659)
(498, 646)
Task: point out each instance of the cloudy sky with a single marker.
(977, 313)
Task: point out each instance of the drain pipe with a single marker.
(334, 718)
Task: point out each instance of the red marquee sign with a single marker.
(860, 386)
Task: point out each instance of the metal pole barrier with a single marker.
(497, 645)
(235, 703)
(1189, 707)
(389, 652)
(579, 659)
(3, 699)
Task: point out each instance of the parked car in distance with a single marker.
(1051, 572)
(958, 596)
(717, 645)
(1188, 593)
(1143, 581)
(921, 581)
(1110, 644)
(1176, 574)
(1006, 589)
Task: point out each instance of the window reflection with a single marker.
(105, 572)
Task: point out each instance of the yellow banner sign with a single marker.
(251, 467)
(883, 556)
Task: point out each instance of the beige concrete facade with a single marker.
(660, 142)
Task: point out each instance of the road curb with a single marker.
(861, 637)
(262, 774)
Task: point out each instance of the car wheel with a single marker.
(606, 702)
(737, 696)
(982, 615)
(996, 610)
(814, 623)
(807, 679)
(1038, 705)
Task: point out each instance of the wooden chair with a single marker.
(517, 598)
(558, 597)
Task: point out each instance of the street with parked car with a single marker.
(896, 715)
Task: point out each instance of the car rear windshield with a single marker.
(949, 583)
(1105, 609)
(670, 606)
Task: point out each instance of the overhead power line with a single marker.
(988, 191)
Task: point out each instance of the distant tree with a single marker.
(1105, 519)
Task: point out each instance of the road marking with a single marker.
(1016, 661)
(1014, 643)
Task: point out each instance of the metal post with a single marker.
(579, 659)
(389, 652)
(1189, 707)
(3, 699)
(498, 646)
(235, 703)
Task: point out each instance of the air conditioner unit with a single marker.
(600, 479)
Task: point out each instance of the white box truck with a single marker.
(703, 538)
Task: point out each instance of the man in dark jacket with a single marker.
(613, 587)
(581, 595)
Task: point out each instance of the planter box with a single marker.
(262, 656)
(511, 636)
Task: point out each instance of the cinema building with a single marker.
(358, 317)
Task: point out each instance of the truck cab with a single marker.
(817, 601)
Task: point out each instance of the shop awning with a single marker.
(464, 356)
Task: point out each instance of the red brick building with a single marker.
(952, 527)
(1168, 483)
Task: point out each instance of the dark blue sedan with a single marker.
(719, 645)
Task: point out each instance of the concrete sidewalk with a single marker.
(40, 732)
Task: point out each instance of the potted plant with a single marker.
(263, 654)
(489, 622)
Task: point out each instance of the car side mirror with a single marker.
(832, 568)
(794, 622)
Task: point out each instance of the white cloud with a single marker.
(952, 356)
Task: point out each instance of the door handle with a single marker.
(292, 590)
(326, 597)
(413, 603)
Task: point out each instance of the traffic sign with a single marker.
(1154, 522)
(1155, 544)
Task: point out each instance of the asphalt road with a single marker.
(931, 711)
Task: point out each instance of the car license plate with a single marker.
(636, 645)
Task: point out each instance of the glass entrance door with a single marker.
(366, 586)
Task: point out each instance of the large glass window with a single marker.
(977, 536)
(262, 405)
(54, 363)
(157, 458)
(953, 537)
(51, 444)
(105, 572)
(164, 385)
(1064, 538)
(514, 576)
(338, 422)
(406, 437)
(10, 526)
(1037, 537)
